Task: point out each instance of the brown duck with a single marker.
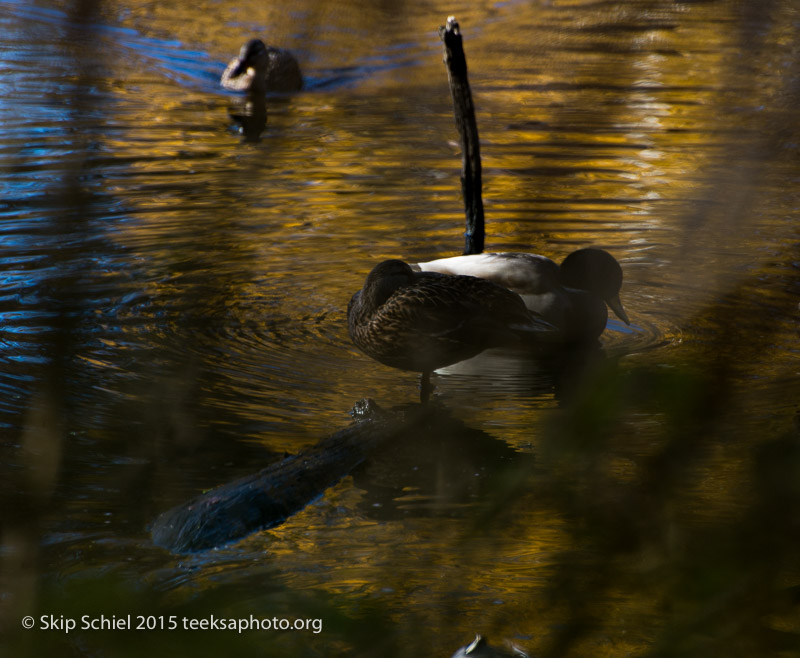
(421, 321)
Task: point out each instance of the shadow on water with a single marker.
(441, 470)
(413, 458)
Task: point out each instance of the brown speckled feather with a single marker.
(421, 321)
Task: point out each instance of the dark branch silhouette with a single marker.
(471, 183)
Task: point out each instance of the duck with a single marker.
(260, 69)
(480, 648)
(573, 297)
(422, 321)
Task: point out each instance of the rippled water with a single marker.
(173, 297)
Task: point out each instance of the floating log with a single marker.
(471, 183)
(267, 498)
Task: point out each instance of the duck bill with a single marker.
(616, 305)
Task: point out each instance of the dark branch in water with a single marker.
(456, 63)
(267, 498)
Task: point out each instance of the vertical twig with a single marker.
(456, 64)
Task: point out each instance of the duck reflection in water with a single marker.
(251, 117)
(421, 321)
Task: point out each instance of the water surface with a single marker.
(173, 297)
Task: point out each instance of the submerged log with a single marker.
(471, 183)
(267, 498)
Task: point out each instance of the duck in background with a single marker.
(572, 297)
(261, 69)
(421, 321)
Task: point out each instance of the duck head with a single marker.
(253, 55)
(383, 280)
(597, 272)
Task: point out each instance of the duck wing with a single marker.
(440, 320)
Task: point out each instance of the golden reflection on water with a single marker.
(664, 132)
